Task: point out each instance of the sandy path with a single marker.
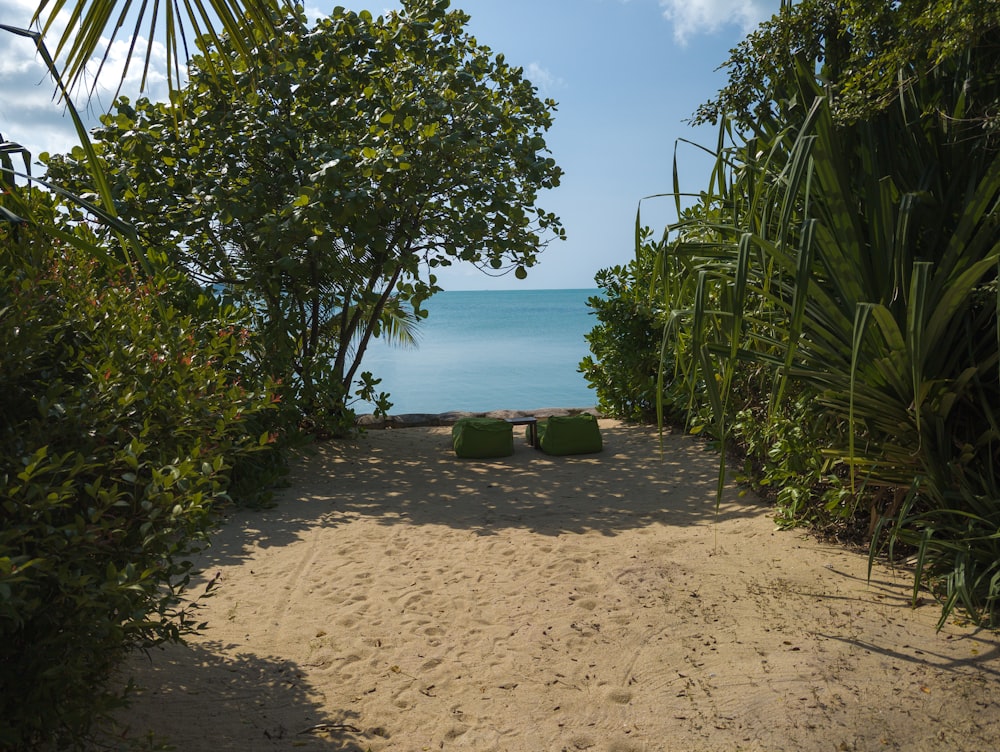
(401, 599)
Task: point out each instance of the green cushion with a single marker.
(570, 434)
(479, 438)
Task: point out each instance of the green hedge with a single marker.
(626, 343)
(120, 420)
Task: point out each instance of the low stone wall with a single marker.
(413, 420)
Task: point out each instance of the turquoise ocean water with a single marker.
(490, 350)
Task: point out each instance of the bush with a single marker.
(121, 420)
(836, 308)
(625, 345)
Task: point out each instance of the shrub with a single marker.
(121, 420)
(854, 266)
(625, 345)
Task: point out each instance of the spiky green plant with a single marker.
(855, 265)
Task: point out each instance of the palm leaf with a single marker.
(91, 20)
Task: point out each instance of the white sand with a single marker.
(401, 599)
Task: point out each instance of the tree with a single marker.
(866, 52)
(328, 186)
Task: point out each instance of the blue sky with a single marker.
(625, 73)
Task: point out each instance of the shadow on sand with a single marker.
(213, 681)
(412, 476)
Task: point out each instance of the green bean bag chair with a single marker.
(570, 434)
(480, 438)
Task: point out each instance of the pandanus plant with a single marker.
(853, 269)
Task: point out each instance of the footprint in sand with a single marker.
(431, 664)
(345, 663)
(620, 696)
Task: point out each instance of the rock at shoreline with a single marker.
(415, 420)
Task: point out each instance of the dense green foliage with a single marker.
(834, 304)
(831, 303)
(121, 421)
(865, 52)
(625, 366)
(327, 185)
(131, 409)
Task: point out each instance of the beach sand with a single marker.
(398, 598)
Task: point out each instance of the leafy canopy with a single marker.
(866, 52)
(328, 184)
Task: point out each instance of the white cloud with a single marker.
(541, 77)
(691, 17)
(156, 77)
